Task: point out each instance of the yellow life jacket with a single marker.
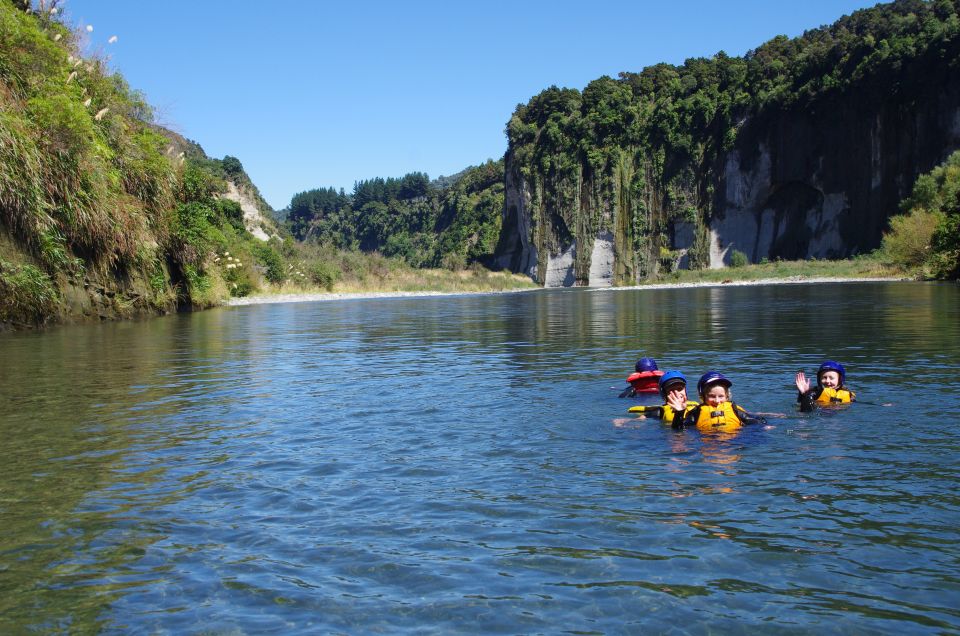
(723, 418)
(668, 412)
(664, 411)
(835, 396)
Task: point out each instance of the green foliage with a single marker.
(232, 168)
(193, 232)
(674, 123)
(409, 218)
(27, 295)
(230, 212)
(738, 259)
(907, 244)
(269, 258)
(454, 262)
(927, 236)
(325, 275)
(198, 284)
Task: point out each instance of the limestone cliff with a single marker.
(260, 225)
(822, 182)
(772, 155)
(814, 182)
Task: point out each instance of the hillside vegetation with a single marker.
(925, 238)
(103, 214)
(450, 223)
(645, 154)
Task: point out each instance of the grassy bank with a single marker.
(343, 272)
(863, 267)
(310, 269)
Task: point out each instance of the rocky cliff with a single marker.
(802, 149)
(822, 181)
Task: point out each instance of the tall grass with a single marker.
(27, 295)
(868, 266)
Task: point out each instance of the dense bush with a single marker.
(270, 259)
(927, 235)
(26, 293)
(738, 259)
(324, 274)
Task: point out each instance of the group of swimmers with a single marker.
(716, 410)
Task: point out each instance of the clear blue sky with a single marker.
(317, 94)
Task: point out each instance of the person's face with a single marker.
(716, 395)
(677, 391)
(830, 379)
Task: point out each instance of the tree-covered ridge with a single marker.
(643, 149)
(101, 211)
(448, 224)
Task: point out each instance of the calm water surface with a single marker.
(463, 464)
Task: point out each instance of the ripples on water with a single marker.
(464, 465)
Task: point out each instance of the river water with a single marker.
(463, 464)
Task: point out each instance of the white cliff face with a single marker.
(252, 219)
(740, 228)
(560, 268)
(601, 260)
(750, 224)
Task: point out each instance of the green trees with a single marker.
(642, 150)
(927, 235)
(408, 217)
(312, 205)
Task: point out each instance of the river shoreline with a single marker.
(331, 296)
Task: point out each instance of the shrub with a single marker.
(26, 293)
(231, 212)
(271, 260)
(454, 261)
(928, 234)
(241, 288)
(325, 275)
(738, 259)
(907, 244)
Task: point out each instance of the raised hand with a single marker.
(803, 384)
(677, 400)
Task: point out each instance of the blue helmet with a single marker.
(712, 377)
(646, 364)
(830, 365)
(668, 378)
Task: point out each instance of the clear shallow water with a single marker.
(463, 464)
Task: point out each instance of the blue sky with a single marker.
(315, 94)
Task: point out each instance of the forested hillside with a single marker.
(447, 223)
(802, 148)
(102, 213)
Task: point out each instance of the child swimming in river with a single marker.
(830, 387)
(672, 387)
(717, 412)
(644, 379)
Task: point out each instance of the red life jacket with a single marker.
(645, 381)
